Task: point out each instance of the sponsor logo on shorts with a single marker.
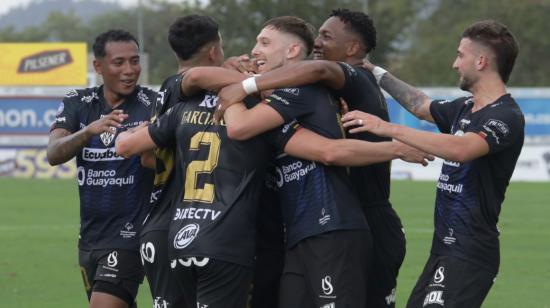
(439, 275)
(199, 305)
(390, 299)
(450, 239)
(434, 297)
(91, 154)
(328, 289)
(186, 235)
(324, 217)
(112, 259)
(147, 252)
(128, 230)
(329, 305)
(187, 262)
(159, 302)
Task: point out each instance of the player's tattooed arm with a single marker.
(64, 145)
(412, 99)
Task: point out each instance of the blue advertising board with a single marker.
(34, 115)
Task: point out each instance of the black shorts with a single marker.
(213, 283)
(388, 241)
(327, 270)
(114, 271)
(165, 289)
(451, 282)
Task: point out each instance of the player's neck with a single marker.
(112, 99)
(486, 92)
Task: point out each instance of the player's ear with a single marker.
(353, 48)
(293, 51)
(482, 62)
(97, 66)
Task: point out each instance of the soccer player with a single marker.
(213, 227)
(191, 38)
(315, 271)
(114, 192)
(482, 136)
(348, 37)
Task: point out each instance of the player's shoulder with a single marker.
(78, 97)
(170, 82)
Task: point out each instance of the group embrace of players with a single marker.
(266, 191)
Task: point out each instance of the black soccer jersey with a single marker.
(315, 198)
(114, 192)
(223, 178)
(166, 186)
(469, 195)
(361, 92)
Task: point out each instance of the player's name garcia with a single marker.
(198, 118)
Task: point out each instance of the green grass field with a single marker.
(39, 227)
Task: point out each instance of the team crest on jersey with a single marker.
(107, 137)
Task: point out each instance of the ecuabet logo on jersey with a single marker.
(186, 235)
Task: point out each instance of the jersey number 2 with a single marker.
(196, 167)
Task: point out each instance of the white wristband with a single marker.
(378, 72)
(249, 85)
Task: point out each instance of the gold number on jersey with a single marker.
(196, 167)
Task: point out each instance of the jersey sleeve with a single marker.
(67, 113)
(354, 80)
(500, 128)
(163, 130)
(444, 112)
(292, 103)
(279, 137)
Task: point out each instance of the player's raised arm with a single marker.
(209, 78)
(411, 98)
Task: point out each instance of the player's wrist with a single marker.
(378, 73)
(249, 85)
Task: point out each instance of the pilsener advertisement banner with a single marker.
(43, 64)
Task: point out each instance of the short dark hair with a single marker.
(188, 34)
(500, 40)
(296, 26)
(359, 23)
(111, 36)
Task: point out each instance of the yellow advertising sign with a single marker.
(43, 64)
